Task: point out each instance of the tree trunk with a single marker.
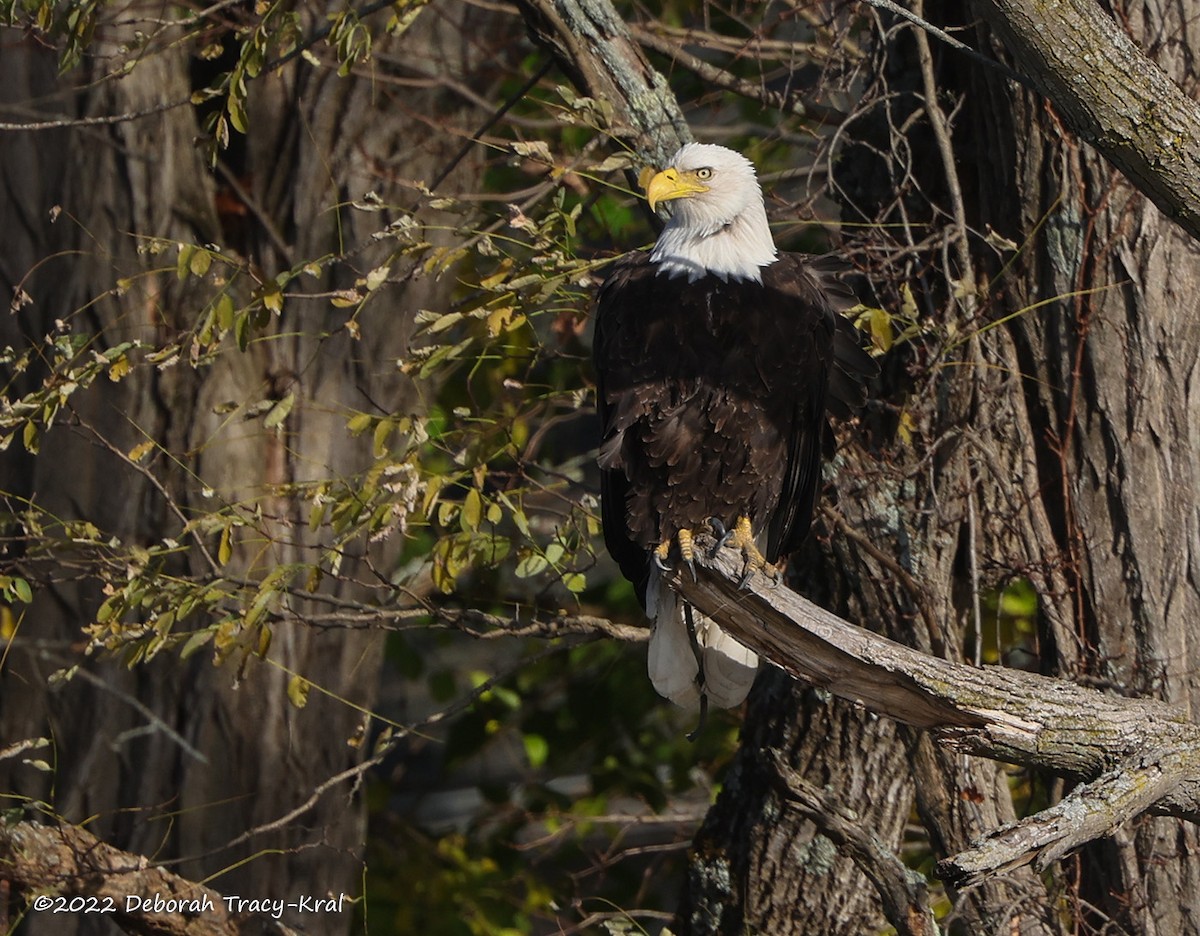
(1113, 407)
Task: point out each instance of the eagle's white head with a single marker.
(718, 224)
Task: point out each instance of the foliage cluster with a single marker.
(481, 497)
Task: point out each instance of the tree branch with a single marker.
(592, 45)
(1138, 755)
(67, 861)
(1111, 94)
(902, 891)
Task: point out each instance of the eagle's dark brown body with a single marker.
(712, 397)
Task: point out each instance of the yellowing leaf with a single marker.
(442, 322)
(382, 431)
(272, 297)
(8, 624)
(881, 328)
(490, 282)
(531, 565)
(472, 511)
(908, 302)
(297, 691)
(200, 262)
(535, 149)
(118, 369)
(195, 642)
(359, 423)
(141, 450)
(498, 320)
(377, 277)
(346, 298)
(225, 548)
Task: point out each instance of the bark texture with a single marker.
(1112, 404)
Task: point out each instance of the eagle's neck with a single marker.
(736, 249)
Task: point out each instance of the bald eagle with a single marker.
(717, 358)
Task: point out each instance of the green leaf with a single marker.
(237, 116)
(279, 411)
(183, 266)
(106, 610)
(195, 642)
(225, 312)
(531, 565)
(575, 582)
(22, 590)
(537, 749)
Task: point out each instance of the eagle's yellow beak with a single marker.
(671, 183)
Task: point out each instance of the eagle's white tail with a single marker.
(729, 668)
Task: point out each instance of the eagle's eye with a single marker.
(704, 174)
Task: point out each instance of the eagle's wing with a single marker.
(828, 354)
(617, 415)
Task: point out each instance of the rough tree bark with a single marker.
(1111, 392)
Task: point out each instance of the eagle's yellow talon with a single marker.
(742, 537)
(687, 552)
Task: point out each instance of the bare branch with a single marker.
(1140, 755)
(786, 102)
(1120, 102)
(902, 891)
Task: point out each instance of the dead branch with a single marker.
(903, 892)
(64, 861)
(1133, 755)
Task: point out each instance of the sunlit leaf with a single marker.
(279, 411)
(297, 691)
(472, 511)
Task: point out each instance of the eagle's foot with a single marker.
(687, 552)
(742, 537)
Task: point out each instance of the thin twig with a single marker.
(105, 120)
(956, 44)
